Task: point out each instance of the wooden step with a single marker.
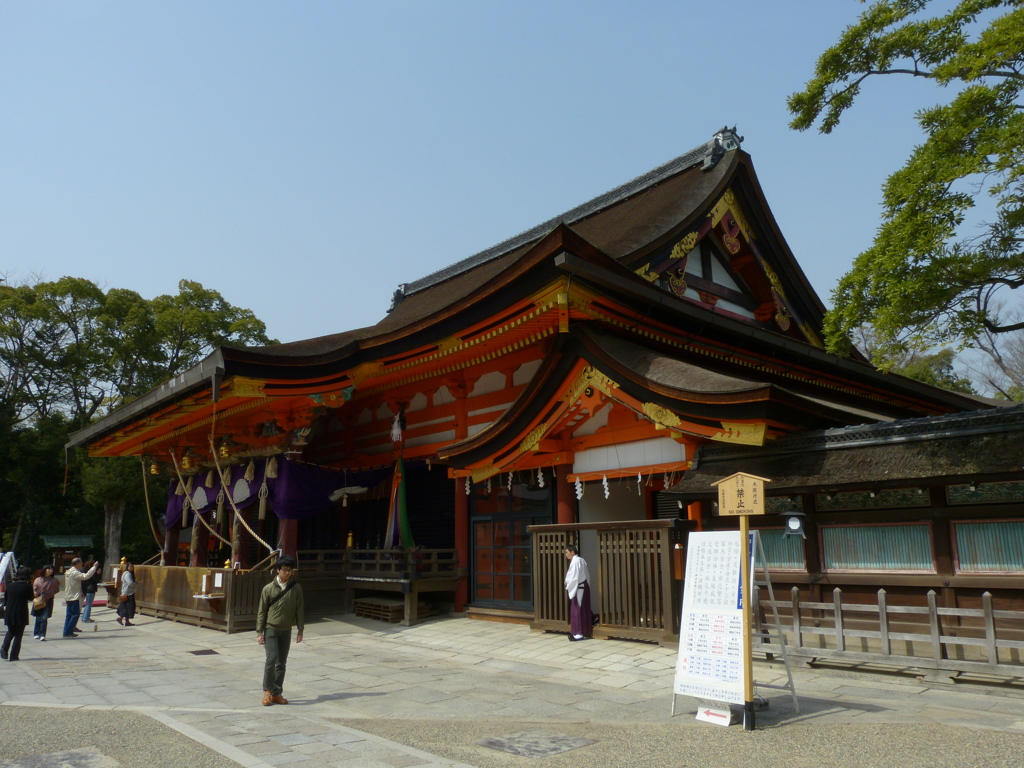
(499, 615)
(389, 609)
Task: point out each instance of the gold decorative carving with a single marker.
(677, 282)
(729, 205)
(589, 377)
(743, 434)
(646, 274)
(482, 473)
(661, 416)
(242, 386)
(449, 345)
(683, 247)
(365, 371)
(530, 441)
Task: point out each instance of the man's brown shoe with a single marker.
(279, 699)
(268, 698)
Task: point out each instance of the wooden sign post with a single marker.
(742, 495)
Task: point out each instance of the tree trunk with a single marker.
(113, 517)
(17, 530)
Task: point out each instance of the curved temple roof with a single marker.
(612, 259)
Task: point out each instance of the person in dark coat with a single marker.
(19, 597)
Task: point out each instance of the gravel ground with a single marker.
(131, 738)
(680, 746)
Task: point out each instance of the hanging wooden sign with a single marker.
(741, 494)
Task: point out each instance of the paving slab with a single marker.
(366, 694)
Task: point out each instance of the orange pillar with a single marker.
(566, 495)
(462, 540)
(460, 390)
(288, 538)
(693, 513)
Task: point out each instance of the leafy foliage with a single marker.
(924, 282)
(70, 353)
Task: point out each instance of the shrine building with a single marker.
(539, 392)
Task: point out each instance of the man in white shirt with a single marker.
(577, 585)
(73, 578)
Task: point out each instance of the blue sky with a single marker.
(303, 158)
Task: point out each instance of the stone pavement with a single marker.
(458, 692)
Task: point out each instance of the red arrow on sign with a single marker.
(710, 713)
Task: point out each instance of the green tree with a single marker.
(69, 354)
(196, 321)
(924, 282)
(936, 368)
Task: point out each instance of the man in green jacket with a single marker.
(281, 607)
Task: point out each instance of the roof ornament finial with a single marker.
(397, 297)
(723, 141)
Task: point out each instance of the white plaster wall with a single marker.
(622, 503)
(641, 453)
(525, 372)
(489, 382)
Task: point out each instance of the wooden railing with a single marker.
(228, 600)
(397, 564)
(946, 640)
(637, 577)
(225, 600)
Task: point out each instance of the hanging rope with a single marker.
(188, 501)
(238, 515)
(149, 511)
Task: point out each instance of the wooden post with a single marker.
(741, 495)
(566, 495)
(797, 631)
(990, 629)
(171, 544)
(837, 601)
(933, 620)
(748, 651)
(200, 544)
(883, 621)
(462, 542)
(288, 538)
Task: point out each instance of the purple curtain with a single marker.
(299, 490)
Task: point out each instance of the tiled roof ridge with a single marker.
(987, 421)
(710, 152)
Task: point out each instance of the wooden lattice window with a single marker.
(901, 547)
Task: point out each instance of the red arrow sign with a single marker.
(710, 713)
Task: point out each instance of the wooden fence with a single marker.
(225, 599)
(944, 641)
(638, 577)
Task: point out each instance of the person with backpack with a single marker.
(281, 608)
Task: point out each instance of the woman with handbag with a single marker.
(44, 589)
(126, 598)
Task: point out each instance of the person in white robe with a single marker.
(577, 586)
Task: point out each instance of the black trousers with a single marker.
(12, 643)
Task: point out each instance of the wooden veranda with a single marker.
(225, 599)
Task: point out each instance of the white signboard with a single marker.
(710, 663)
